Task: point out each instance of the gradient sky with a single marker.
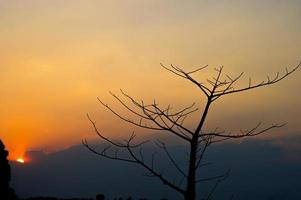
(57, 56)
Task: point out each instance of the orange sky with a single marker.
(57, 56)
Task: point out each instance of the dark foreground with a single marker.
(98, 197)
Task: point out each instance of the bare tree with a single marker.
(152, 116)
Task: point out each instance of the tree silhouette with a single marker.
(154, 117)
(6, 193)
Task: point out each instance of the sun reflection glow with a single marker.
(20, 160)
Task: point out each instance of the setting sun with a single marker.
(20, 160)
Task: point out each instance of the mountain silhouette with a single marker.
(260, 169)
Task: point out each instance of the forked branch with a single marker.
(223, 84)
(152, 117)
(132, 158)
(242, 133)
(230, 90)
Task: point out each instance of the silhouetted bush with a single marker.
(6, 193)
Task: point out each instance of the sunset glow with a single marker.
(57, 57)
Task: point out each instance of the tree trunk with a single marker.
(190, 193)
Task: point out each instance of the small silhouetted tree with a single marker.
(100, 197)
(6, 193)
(154, 117)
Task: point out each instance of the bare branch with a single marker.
(154, 173)
(152, 114)
(163, 146)
(207, 143)
(247, 133)
(269, 81)
(128, 120)
(222, 176)
(103, 153)
(186, 75)
(134, 159)
(127, 107)
(198, 69)
(216, 185)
